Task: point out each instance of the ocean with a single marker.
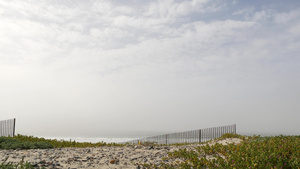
(95, 139)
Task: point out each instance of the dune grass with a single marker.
(31, 142)
(62, 143)
(13, 143)
(20, 165)
(254, 152)
(19, 142)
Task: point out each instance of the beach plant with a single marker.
(12, 143)
(232, 135)
(61, 143)
(20, 165)
(254, 152)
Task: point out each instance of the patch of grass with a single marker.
(61, 143)
(31, 142)
(254, 152)
(12, 143)
(11, 165)
(231, 135)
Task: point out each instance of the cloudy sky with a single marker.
(112, 66)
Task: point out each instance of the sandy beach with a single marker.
(127, 157)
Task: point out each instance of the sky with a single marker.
(112, 67)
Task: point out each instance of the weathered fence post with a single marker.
(14, 129)
(234, 128)
(166, 139)
(199, 135)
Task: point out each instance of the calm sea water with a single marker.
(95, 139)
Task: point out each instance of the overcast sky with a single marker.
(113, 66)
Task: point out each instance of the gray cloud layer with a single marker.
(110, 66)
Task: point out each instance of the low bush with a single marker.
(254, 152)
(61, 143)
(12, 143)
(231, 135)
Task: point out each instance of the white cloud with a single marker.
(245, 12)
(261, 16)
(170, 9)
(158, 59)
(282, 18)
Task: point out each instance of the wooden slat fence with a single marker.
(193, 136)
(7, 127)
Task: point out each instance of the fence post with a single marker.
(166, 139)
(14, 129)
(199, 135)
(1, 129)
(234, 128)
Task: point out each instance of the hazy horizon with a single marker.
(100, 67)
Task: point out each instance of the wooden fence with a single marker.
(193, 136)
(7, 127)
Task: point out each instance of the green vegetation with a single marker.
(12, 143)
(10, 165)
(30, 142)
(62, 143)
(231, 135)
(254, 152)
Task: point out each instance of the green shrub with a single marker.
(254, 152)
(30, 142)
(231, 135)
(7, 140)
(12, 143)
(60, 143)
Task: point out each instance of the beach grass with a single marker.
(277, 152)
(13, 143)
(62, 143)
(11, 165)
(31, 142)
(252, 152)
